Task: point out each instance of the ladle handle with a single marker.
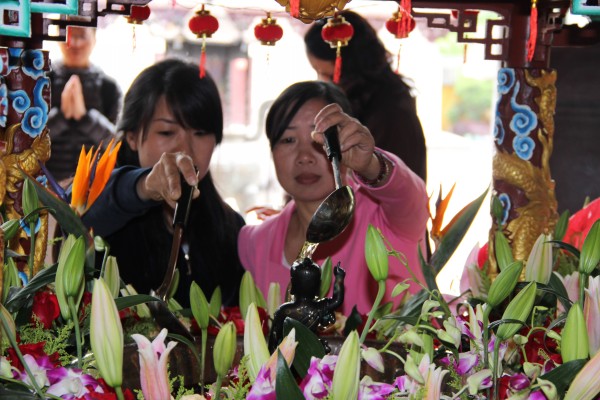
(182, 208)
(334, 153)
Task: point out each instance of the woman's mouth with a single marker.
(307, 178)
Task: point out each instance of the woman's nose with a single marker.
(183, 144)
(307, 153)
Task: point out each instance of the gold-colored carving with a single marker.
(311, 10)
(540, 214)
(26, 161)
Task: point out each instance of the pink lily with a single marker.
(571, 284)
(586, 384)
(591, 311)
(471, 278)
(153, 365)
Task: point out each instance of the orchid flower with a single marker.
(591, 312)
(38, 372)
(91, 176)
(370, 390)
(153, 365)
(319, 377)
(70, 383)
(6, 369)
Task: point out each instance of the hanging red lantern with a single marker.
(138, 14)
(268, 31)
(203, 25)
(401, 24)
(337, 32)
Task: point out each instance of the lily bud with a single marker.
(249, 293)
(287, 348)
(326, 276)
(590, 251)
(273, 298)
(111, 276)
(518, 309)
(373, 357)
(69, 281)
(99, 244)
(142, 310)
(199, 306)
(10, 228)
(30, 201)
(346, 376)
(7, 327)
(574, 344)
(255, 345)
(106, 335)
(503, 252)
(376, 254)
(216, 301)
(504, 283)
(224, 350)
(539, 263)
(412, 369)
(561, 225)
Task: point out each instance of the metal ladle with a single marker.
(335, 212)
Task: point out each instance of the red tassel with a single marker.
(295, 8)
(404, 27)
(533, 30)
(203, 58)
(337, 71)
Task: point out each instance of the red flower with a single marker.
(233, 314)
(36, 350)
(482, 256)
(46, 308)
(581, 222)
(109, 393)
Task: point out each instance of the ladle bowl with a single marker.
(332, 217)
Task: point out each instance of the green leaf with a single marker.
(133, 300)
(18, 298)
(309, 345)
(326, 276)
(561, 225)
(428, 272)
(214, 306)
(566, 246)
(563, 375)
(556, 287)
(455, 233)
(285, 384)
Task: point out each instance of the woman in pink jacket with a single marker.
(388, 195)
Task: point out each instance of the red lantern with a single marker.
(268, 31)
(337, 32)
(138, 14)
(203, 24)
(401, 24)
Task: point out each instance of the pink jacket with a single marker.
(399, 209)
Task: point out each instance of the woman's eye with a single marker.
(165, 133)
(286, 140)
(200, 133)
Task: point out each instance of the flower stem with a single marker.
(203, 361)
(495, 367)
(15, 346)
(380, 293)
(486, 334)
(73, 312)
(218, 387)
(119, 392)
(31, 258)
(583, 278)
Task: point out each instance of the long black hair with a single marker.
(365, 60)
(288, 103)
(195, 103)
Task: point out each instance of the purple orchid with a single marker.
(370, 390)
(70, 383)
(263, 387)
(317, 382)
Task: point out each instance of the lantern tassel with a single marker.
(337, 71)
(295, 8)
(533, 30)
(404, 18)
(203, 58)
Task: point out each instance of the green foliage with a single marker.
(177, 382)
(56, 340)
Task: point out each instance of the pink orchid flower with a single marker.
(37, 370)
(69, 383)
(317, 382)
(370, 390)
(153, 365)
(263, 387)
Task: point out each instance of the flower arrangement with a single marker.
(531, 332)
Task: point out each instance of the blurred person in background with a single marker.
(85, 103)
(381, 99)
